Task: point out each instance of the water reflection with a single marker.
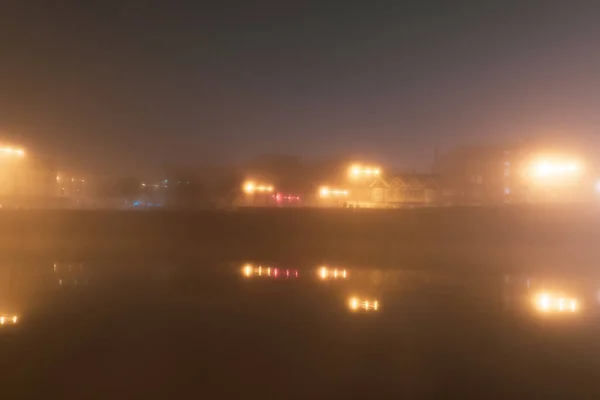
(70, 273)
(326, 273)
(547, 296)
(250, 271)
(552, 303)
(399, 290)
(356, 304)
(8, 319)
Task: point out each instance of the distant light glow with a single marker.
(12, 151)
(549, 303)
(290, 198)
(326, 192)
(598, 186)
(250, 187)
(549, 170)
(357, 170)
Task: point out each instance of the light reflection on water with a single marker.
(389, 292)
(418, 327)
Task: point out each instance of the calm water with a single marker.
(231, 329)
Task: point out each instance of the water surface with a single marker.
(99, 329)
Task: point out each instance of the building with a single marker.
(405, 190)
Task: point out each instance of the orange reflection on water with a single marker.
(326, 273)
(8, 319)
(547, 303)
(250, 271)
(357, 304)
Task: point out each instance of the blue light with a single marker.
(136, 203)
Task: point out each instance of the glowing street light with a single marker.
(325, 192)
(547, 170)
(251, 188)
(357, 171)
(12, 151)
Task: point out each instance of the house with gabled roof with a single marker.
(405, 189)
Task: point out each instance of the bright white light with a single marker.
(549, 169)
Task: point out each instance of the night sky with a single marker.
(128, 86)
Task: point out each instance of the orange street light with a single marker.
(250, 187)
(325, 192)
(357, 170)
(12, 151)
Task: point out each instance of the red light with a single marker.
(287, 273)
(296, 274)
(275, 272)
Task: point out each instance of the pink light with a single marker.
(275, 272)
(296, 274)
(287, 273)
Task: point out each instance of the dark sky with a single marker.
(116, 85)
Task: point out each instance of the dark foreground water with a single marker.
(99, 330)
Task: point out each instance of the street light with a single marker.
(251, 188)
(12, 151)
(325, 192)
(358, 170)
